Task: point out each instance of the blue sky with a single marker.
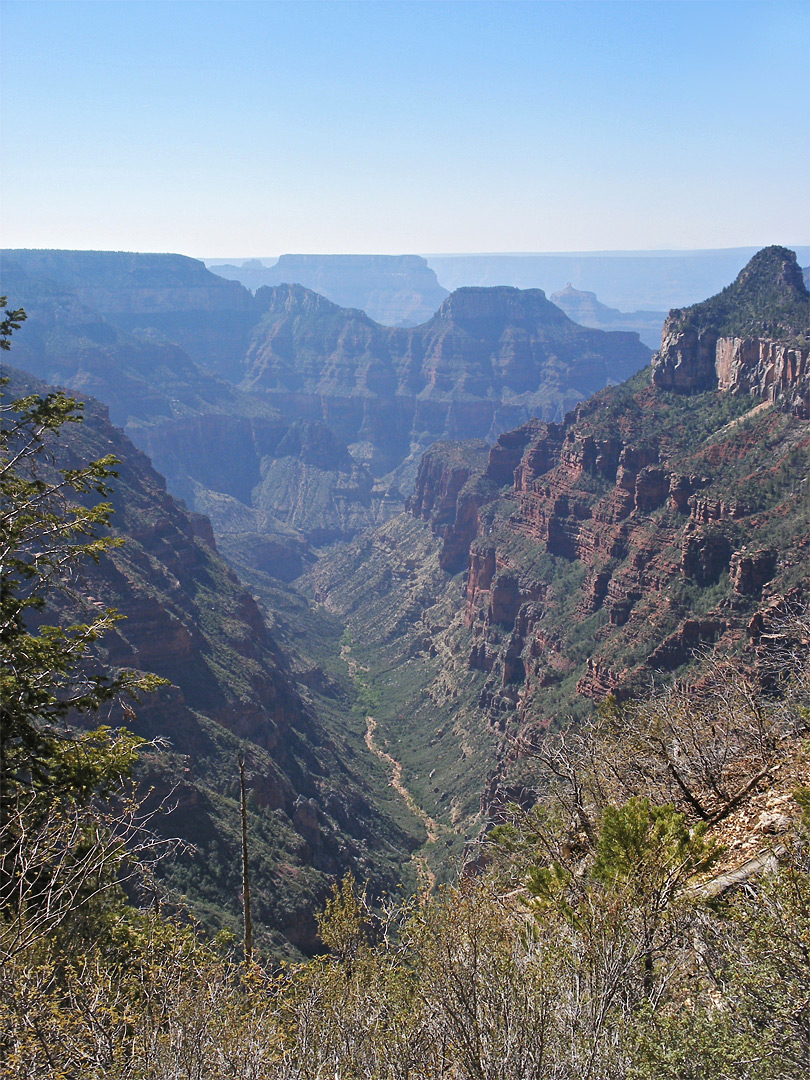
(229, 128)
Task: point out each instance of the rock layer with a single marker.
(488, 359)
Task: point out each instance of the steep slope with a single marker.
(318, 799)
(665, 516)
(637, 531)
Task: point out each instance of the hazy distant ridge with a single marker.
(658, 280)
(394, 290)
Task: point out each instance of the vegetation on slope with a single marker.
(748, 466)
(608, 934)
(317, 800)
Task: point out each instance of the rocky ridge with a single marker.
(609, 549)
(753, 338)
(487, 359)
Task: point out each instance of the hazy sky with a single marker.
(226, 128)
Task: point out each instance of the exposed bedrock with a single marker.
(447, 496)
(770, 370)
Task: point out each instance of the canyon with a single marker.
(224, 412)
(501, 517)
(603, 554)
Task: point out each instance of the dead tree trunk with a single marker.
(248, 943)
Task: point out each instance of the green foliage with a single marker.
(10, 321)
(343, 923)
(622, 971)
(650, 848)
(47, 527)
(61, 841)
(802, 797)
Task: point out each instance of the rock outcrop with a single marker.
(769, 370)
(690, 362)
(643, 515)
(445, 497)
(687, 359)
(753, 338)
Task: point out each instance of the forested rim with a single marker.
(650, 917)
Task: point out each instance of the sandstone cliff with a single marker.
(445, 497)
(759, 367)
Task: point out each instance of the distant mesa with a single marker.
(489, 359)
(394, 290)
(173, 297)
(584, 308)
